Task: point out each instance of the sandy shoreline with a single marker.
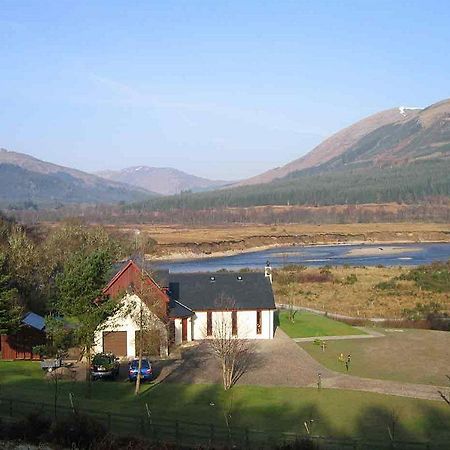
(389, 249)
(382, 250)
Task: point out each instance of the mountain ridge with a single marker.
(162, 180)
(396, 156)
(335, 144)
(24, 178)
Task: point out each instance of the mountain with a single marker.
(28, 180)
(162, 180)
(400, 155)
(337, 144)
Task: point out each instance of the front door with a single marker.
(183, 330)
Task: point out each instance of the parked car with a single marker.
(105, 365)
(146, 370)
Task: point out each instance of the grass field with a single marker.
(307, 324)
(414, 356)
(255, 407)
(359, 298)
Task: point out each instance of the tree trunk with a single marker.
(138, 378)
(88, 372)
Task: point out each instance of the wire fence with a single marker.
(190, 433)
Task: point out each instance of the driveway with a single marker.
(274, 362)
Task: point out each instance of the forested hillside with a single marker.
(396, 156)
(404, 184)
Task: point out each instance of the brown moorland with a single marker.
(354, 291)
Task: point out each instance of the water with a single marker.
(317, 256)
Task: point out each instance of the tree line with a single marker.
(405, 184)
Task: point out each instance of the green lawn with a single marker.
(336, 413)
(307, 324)
(414, 356)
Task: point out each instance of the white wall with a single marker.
(196, 326)
(246, 322)
(123, 320)
(179, 328)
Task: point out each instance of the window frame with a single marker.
(234, 323)
(209, 325)
(258, 321)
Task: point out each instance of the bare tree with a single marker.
(145, 307)
(233, 353)
(147, 310)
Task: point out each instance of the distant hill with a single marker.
(26, 181)
(337, 144)
(162, 180)
(399, 155)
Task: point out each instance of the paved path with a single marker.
(370, 334)
(282, 362)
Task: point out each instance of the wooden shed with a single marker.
(19, 346)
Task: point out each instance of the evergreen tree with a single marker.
(81, 299)
(10, 310)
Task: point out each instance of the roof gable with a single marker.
(131, 275)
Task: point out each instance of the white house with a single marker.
(192, 307)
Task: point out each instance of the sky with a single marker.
(220, 89)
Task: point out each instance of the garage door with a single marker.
(115, 342)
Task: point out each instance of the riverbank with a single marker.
(389, 250)
(182, 243)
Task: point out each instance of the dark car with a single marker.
(146, 370)
(104, 365)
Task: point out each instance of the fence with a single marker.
(187, 433)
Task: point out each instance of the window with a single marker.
(209, 323)
(234, 330)
(258, 322)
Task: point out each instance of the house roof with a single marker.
(34, 320)
(178, 311)
(214, 291)
(161, 277)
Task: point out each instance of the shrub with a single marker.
(421, 311)
(32, 428)
(350, 279)
(77, 430)
(300, 444)
(284, 277)
(386, 285)
(434, 277)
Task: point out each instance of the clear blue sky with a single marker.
(222, 89)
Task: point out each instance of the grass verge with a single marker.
(336, 413)
(307, 324)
